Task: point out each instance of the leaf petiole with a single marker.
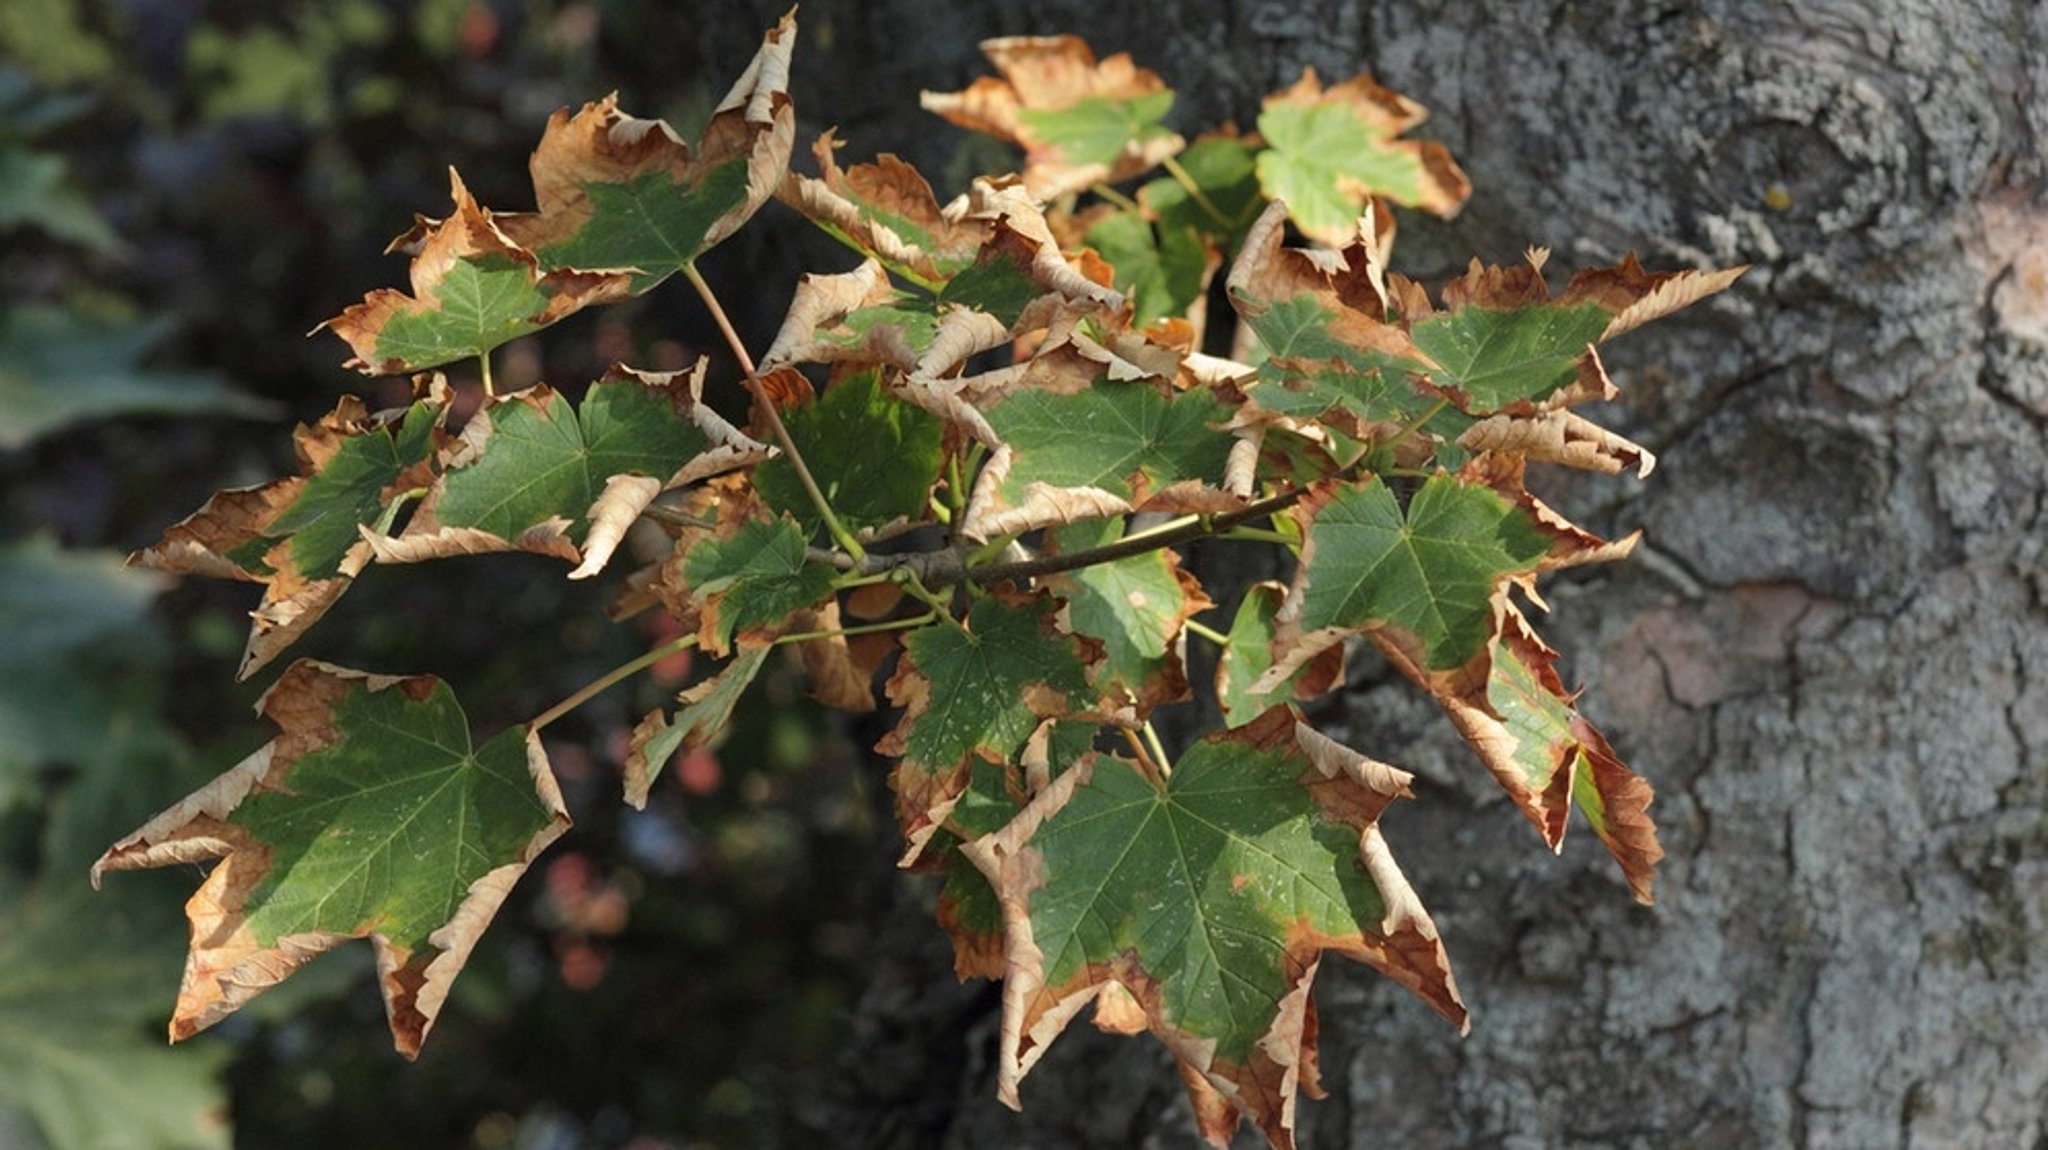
(611, 679)
(1194, 190)
(838, 531)
(1203, 631)
(862, 629)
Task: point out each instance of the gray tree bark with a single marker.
(1830, 657)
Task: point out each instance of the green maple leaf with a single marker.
(981, 688)
(1429, 573)
(1098, 129)
(874, 456)
(473, 289)
(1164, 269)
(301, 537)
(1128, 439)
(1329, 151)
(370, 816)
(616, 191)
(1209, 898)
(1135, 608)
(753, 580)
(700, 721)
(1494, 357)
(532, 474)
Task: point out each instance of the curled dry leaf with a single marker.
(1512, 708)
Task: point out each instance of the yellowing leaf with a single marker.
(1079, 122)
(369, 816)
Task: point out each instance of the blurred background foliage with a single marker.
(185, 189)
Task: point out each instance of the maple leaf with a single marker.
(1209, 898)
(1097, 434)
(619, 192)
(623, 204)
(700, 722)
(301, 537)
(369, 816)
(1135, 607)
(978, 688)
(1425, 574)
(1329, 151)
(473, 289)
(1513, 709)
(873, 456)
(1079, 122)
(530, 474)
(1493, 366)
(886, 210)
(748, 585)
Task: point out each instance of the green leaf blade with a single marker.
(1430, 572)
(754, 580)
(372, 815)
(1125, 438)
(1500, 356)
(874, 457)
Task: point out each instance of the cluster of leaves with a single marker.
(971, 466)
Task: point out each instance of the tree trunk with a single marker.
(1830, 655)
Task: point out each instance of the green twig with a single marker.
(1180, 176)
(612, 678)
(773, 418)
(484, 364)
(862, 629)
(1202, 631)
(1115, 197)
